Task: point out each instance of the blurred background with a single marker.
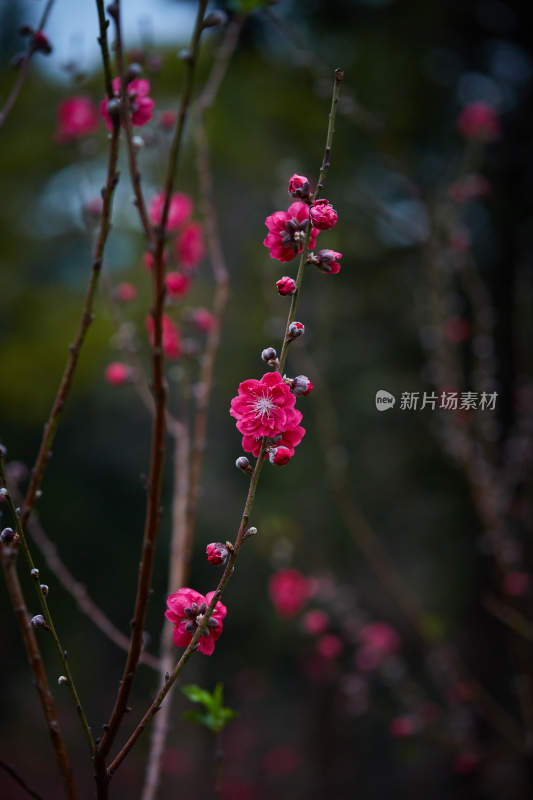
(408, 530)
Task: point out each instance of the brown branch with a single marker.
(12, 772)
(153, 511)
(7, 556)
(24, 67)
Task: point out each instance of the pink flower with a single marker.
(170, 336)
(126, 292)
(516, 584)
(264, 407)
(217, 553)
(289, 592)
(402, 727)
(323, 215)
(167, 120)
(329, 646)
(378, 640)
(465, 762)
(286, 232)
(299, 186)
(280, 456)
(148, 260)
(468, 188)
(76, 117)
(186, 609)
(140, 104)
(281, 760)
(479, 121)
(328, 261)
(41, 42)
(286, 285)
(189, 247)
(179, 210)
(288, 439)
(117, 373)
(203, 319)
(177, 284)
(316, 622)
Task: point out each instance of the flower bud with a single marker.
(126, 292)
(117, 373)
(323, 215)
(113, 109)
(301, 386)
(280, 456)
(7, 535)
(296, 329)
(44, 589)
(299, 187)
(252, 531)
(215, 18)
(62, 680)
(35, 574)
(269, 356)
(41, 43)
(243, 464)
(38, 621)
(217, 553)
(328, 261)
(286, 285)
(134, 71)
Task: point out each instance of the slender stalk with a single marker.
(22, 541)
(230, 564)
(37, 667)
(83, 326)
(104, 47)
(24, 68)
(12, 772)
(153, 511)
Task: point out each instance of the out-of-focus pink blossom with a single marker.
(141, 105)
(460, 240)
(76, 117)
(316, 622)
(465, 762)
(177, 284)
(189, 247)
(456, 329)
(117, 373)
(516, 583)
(281, 760)
(148, 260)
(203, 319)
(167, 120)
(170, 336)
(126, 292)
(378, 641)
(286, 232)
(402, 727)
(329, 646)
(289, 592)
(179, 210)
(186, 609)
(479, 121)
(468, 188)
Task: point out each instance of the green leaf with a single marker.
(216, 716)
(197, 695)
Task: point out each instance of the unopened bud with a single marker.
(44, 589)
(215, 18)
(134, 71)
(286, 285)
(243, 464)
(301, 385)
(41, 43)
(137, 142)
(113, 108)
(295, 329)
(280, 456)
(38, 621)
(217, 553)
(270, 356)
(299, 187)
(35, 574)
(250, 532)
(62, 680)
(7, 535)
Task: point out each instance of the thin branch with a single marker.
(24, 67)
(254, 479)
(7, 556)
(34, 572)
(18, 779)
(153, 511)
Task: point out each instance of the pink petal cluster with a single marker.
(189, 247)
(323, 215)
(170, 336)
(76, 117)
(329, 646)
(402, 727)
(328, 261)
(148, 260)
(289, 439)
(177, 284)
(299, 186)
(378, 641)
(516, 583)
(217, 553)
(117, 373)
(179, 210)
(185, 609)
(167, 120)
(126, 292)
(289, 592)
(280, 456)
(140, 104)
(286, 232)
(203, 319)
(479, 121)
(316, 622)
(286, 285)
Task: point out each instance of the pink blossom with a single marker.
(480, 121)
(186, 609)
(323, 215)
(329, 646)
(286, 285)
(289, 592)
(289, 439)
(264, 407)
(76, 117)
(177, 284)
(299, 186)
(170, 336)
(280, 456)
(167, 120)
(148, 260)
(328, 261)
(140, 104)
(468, 188)
(316, 622)
(203, 319)
(217, 553)
(516, 584)
(378, 640)
(126, 292)
(41, 42)
(280, 760)
(189, 247)
(402, 727)
(117, 373)
(465, 762)
(179, 210)
(286, 232)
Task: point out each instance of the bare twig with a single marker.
(18, 779)
(24, 67)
